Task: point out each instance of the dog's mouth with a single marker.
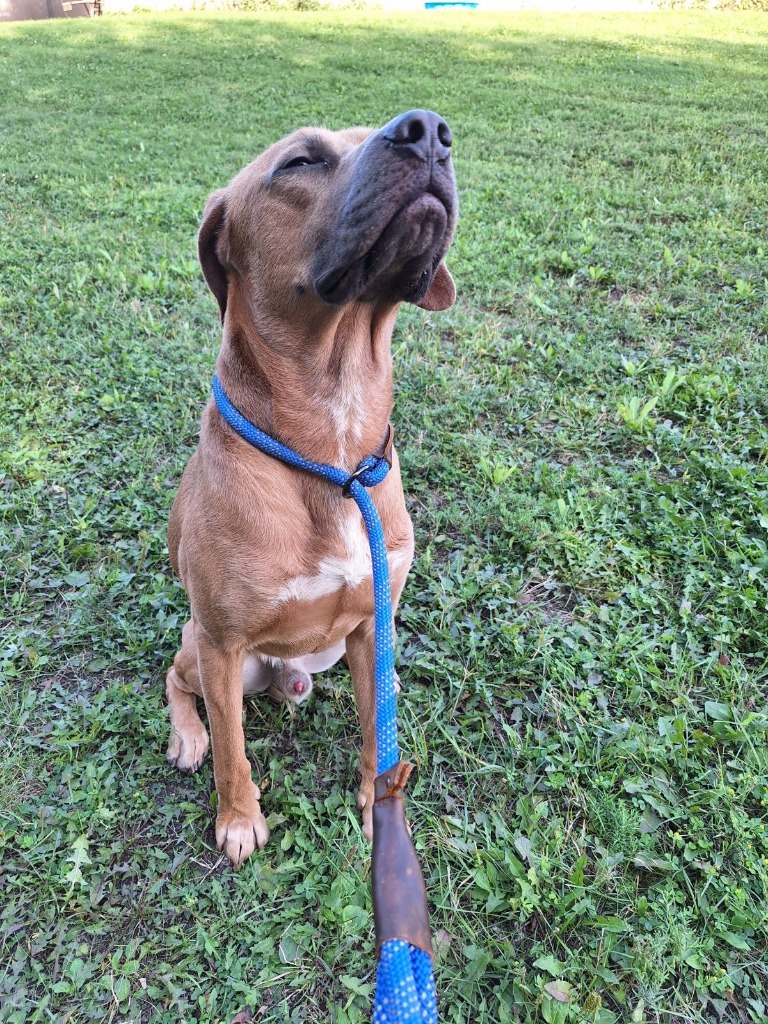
(401, 262)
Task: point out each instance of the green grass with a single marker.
(584, 443)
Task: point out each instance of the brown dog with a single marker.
(309, 251)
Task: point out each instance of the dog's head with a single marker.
(323, 219)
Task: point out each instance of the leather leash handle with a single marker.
(399, 895)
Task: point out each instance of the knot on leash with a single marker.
(372, 470)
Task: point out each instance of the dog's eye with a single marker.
(301, 161)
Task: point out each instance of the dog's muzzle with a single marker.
(396, 217)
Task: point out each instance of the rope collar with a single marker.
(370, 472)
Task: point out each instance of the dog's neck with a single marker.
(326, 391)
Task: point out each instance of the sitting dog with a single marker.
(309, 252)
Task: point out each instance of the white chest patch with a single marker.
(349, 570)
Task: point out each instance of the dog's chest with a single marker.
(349, 568)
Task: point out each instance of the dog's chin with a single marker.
(410, 284)
(405, 284)
(400, 265)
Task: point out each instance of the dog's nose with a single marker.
(421, 133)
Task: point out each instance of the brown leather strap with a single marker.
(386, 448)
(399, 896)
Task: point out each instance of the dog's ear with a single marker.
(442, 292)
(211, 247)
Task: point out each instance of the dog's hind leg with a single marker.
(188, 743)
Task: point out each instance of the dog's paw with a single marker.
(239, 836)
(186, 750)
(365, 806)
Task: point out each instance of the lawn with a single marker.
(584, 444)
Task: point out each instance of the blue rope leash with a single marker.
(405, 987)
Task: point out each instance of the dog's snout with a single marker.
(397, 214)
(421, 133)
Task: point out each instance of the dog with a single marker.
(309, 252)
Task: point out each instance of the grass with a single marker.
(583, 439)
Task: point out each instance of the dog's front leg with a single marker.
(240, 825)
(360, 656)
